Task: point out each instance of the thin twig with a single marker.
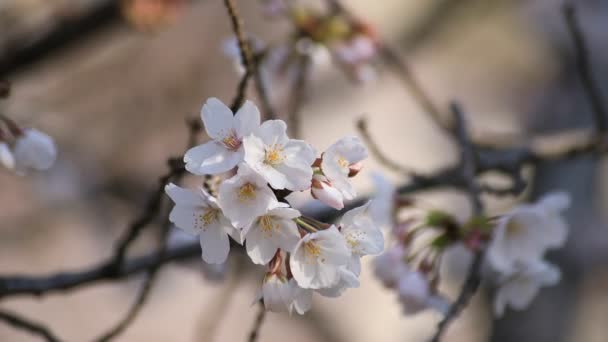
(584, 67)
(468, 163)
(376, 151)
(259, 319)
(420, 95)
(247, 58)
(33, 328)
(298, 93)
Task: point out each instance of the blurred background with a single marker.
(114, 87)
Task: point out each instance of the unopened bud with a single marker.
(323, 191)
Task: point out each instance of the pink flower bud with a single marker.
(323, 191)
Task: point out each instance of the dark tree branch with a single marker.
(33, 328)
(584, 67)
(298, 93)
(259, 319)
(468, 166)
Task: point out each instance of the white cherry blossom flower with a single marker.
(34, 150)
(349, 278)
(337, 161)
(301, 299)
(6, 156)
(284, 163)
(316, 260)
(276, 293)
(518, 290)
(225, 149)
(524, 234)
(271, 231)
(362, 235)
(245, 196)
(323, 191)
(197, 213)
(415, 294)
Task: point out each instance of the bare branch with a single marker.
(297, 96)
(259, 319)
(584, 67)
(33, 328)
(377, 151)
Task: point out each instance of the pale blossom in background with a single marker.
(6, 156)
(383, 204)
(284, 163)
(391, 265)
(197, 213)
(245, 197)
(271, 231)
(337, 160)
(415, 294)
(315, 262)
(34, 150)
(524, 234)
(225, 149)
(518, 289)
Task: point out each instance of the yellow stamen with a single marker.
(231, 142)
(274, 155)
(343, 162)
(201, 221)
(312, 249)
(246, 192)
(267, 224)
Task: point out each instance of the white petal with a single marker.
(185, 219)
(556, 201)
(329, 195)
(247, 119)
(211, 158)
(6, 156)
(217, 118)
(34, 150)
(215, 244)
(259, 248)
(273, 132)
(184, 197)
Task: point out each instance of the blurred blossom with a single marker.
(33, 150)
(391, 265)
(518, 289)
(383, 205)
(415, 294)
(524, 234)
(152, 15)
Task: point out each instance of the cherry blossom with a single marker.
(284, 163)
(317, 258)
(518, 289)
(390, 266)
(6, 156)
(524, 234)
(197, 213)
(301, 298)
(338, 159)
(34, 150)
(276, 293)
(271, 231)
(415, 294)
(245, 197)
(225, 149)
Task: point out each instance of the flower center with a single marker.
(274, 155)
(231, 141)
(267, 224)
(246, 192)
(201, 221)
(312, 249)
(343, 162)
(514, 228)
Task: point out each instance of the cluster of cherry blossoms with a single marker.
(514, 243)
(256, 165)
(321, 35)
(24, 149)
